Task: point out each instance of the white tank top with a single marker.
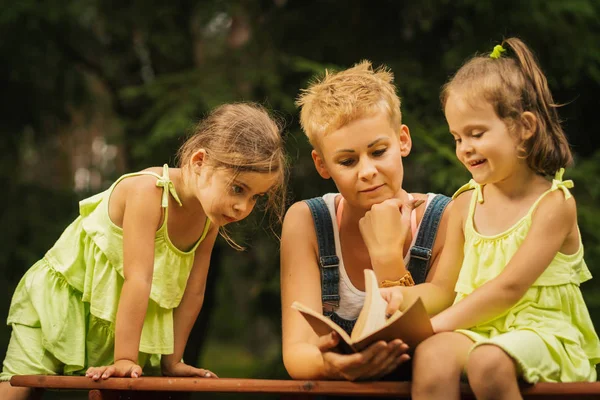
(352, 299)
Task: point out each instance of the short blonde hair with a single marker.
(345, 96)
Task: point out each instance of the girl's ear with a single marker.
(320, 165)
(405, 140)
(197, 160)
(529, 124)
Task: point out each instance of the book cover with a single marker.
(411, 326)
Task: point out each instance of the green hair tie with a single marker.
(498, 50)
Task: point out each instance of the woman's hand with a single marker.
(384, 229)
(376, 361)
(183, 370)
(122, 368)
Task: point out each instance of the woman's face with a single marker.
(364, 159)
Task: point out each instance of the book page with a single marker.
(372, 316)
(320, 323)
(413, 326)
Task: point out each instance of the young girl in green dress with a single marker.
(121, 288)
(513, 253)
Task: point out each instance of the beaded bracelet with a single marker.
(406, 280)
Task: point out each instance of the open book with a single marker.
(412, 326)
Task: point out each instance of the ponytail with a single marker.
(548, 150)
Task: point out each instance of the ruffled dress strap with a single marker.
(167, 184)
(471, 185)
(557, 184)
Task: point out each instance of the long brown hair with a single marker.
(242, 137)
(514, 84)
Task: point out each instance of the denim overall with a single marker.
(418, 265)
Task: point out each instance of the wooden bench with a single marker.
(173, 388)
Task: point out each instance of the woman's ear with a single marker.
(405, 140)
(320, 164)
(529, 125)
(198, 160)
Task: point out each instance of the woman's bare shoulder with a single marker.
(298, 216)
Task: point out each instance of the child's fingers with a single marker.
(136, 371)
(394, 298)
(110, 371)
(95, 372)
(208, 374)
(200, 372)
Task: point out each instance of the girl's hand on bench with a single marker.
(184, 370)
(374, 362)
(122, 368)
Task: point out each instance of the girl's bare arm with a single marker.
(135, 206)
(553, 223)
(438, 293)
(187, 312)
(142, 216)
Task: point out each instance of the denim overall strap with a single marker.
(346, 324)
(328, 263)
(328, 260)
(420, 253)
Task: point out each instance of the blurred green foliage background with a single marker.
(97, 88)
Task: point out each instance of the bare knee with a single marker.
(437, 365)
(436, 357)
(8, 392)
(490, 371)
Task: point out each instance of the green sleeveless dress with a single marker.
(549, 332)
(72, 293)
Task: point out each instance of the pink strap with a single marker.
(338, 214)
(413, 216)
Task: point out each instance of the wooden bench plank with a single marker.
(291, 388)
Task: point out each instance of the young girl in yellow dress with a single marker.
(121, 288)
(513, 246)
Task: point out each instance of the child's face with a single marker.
(364, 158)
(228, 198)
(484, 143)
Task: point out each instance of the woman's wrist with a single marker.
(329, 372)
(389, 267)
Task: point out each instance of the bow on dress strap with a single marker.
(167, 184)
(558, 183)
(468, 186)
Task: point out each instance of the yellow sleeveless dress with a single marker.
(549, 332)
(67, 302)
